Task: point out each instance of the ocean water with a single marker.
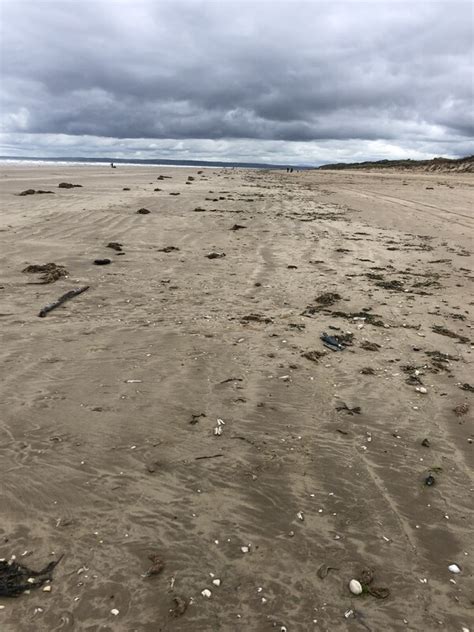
(79, 161)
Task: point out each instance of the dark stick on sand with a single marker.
(62, 299)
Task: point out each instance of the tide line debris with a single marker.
(51, 272)
(62, 299)
(16, 578)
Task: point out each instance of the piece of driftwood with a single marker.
(62, 299)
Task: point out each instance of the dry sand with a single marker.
(109, 404)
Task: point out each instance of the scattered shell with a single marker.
(245, 549)
(115, 612)
(300, 516)
(454, 568)
(206, 593)
(216, 582)
(355, 587)
(421, 389)
(47, 588)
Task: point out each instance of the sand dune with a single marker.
(109, 404)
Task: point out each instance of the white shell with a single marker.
(421, 389)
(206, 593)
(300, 515)
(355, 587)
(454, 568)
(114, 611)
(216, 582)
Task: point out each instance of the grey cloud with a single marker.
(294, 72)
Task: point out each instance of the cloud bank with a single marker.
(305, 82)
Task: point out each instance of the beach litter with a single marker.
(335, 343)
(102, 262)
(16, 578)
(62, 299)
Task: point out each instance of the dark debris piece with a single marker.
(443, 331)
(143, 211)
(236, 226)
(461, 409)
(14, 577)
(328, 298)
(32, 192)
(314, 356)
(255, 318)
(367, 370)
(430, 480)
(115, 246)
(395, 285)
(157, 565)
(102, 262)
(336, 343)
(369, 346)
(215, 255)
(350, 411)
(68, 185)
(168, 249)
(51, 271)
(180, 606)
(467, 387)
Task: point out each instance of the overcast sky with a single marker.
(299, 82)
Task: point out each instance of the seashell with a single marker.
(114, 611)
(454, 568)
(206, 593)
(355, 587)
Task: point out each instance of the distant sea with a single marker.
(25, 160)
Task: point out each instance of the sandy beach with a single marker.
(179, 427)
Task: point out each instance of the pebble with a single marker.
(454, 568)
(355, 587)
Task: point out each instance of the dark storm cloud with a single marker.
(294, 72)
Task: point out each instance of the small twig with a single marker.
(212, 456)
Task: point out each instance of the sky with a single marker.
(262, 81)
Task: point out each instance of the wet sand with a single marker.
(109, 404)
